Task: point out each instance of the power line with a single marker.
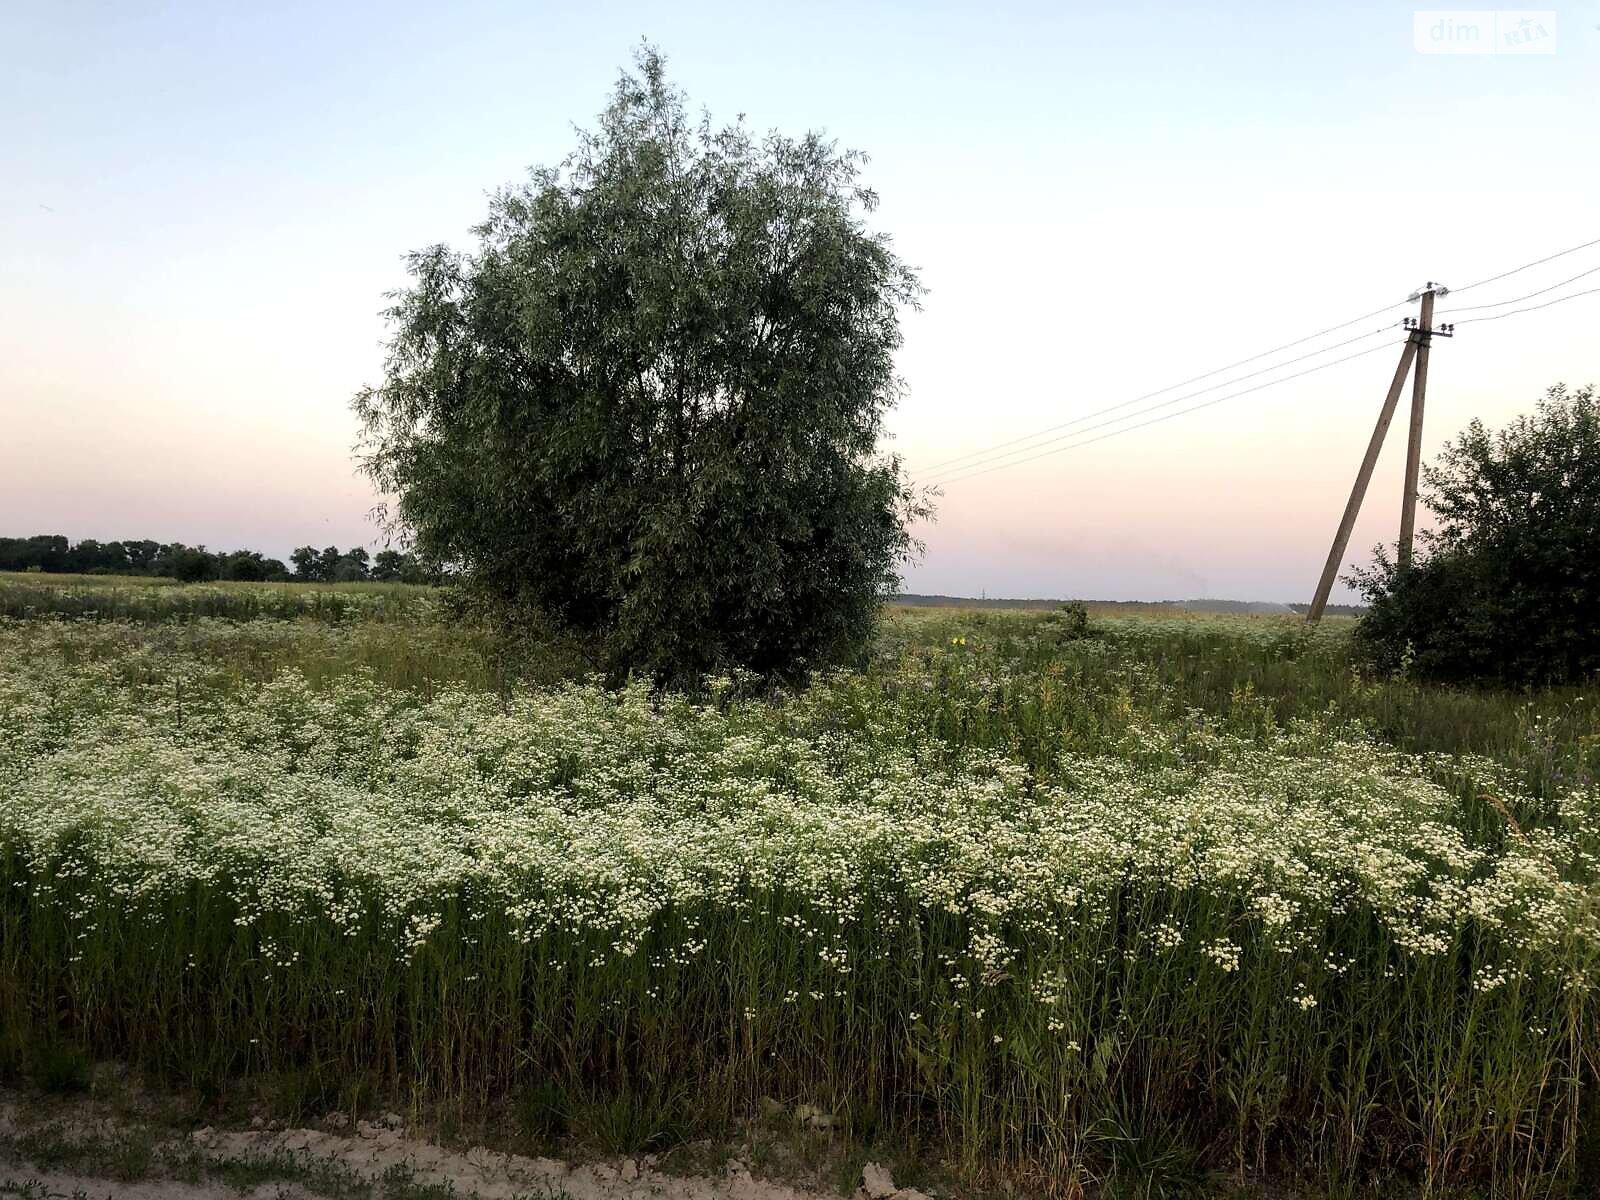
(1017, 462)
(983, 460)
(942, 464)
(1165, 416)
(1531, 307)
(983, 456)
(1539, 262)
(1517, 299)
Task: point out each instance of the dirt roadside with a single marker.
(66, 1152)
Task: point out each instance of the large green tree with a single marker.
(1507, 586)
(649, 403)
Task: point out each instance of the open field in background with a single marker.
(32, 593)
(1148, 608)
(145, 598)
(1126, 906)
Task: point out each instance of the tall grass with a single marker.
(136, 598)
(1182, 892)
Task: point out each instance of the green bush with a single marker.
(1507, 587)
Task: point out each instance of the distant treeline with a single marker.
(1201, 606)
(54, 554)
(919, 600)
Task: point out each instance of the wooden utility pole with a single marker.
(1416, 347)
(1330, 570)
(1419, 394)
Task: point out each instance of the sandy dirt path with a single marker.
(310, 1163)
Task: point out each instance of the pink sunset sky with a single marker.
(203, 209)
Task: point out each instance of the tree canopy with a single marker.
(1507, 586)
(648, 404)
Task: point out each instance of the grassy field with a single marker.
(1142, 905)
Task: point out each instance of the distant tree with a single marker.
(114, 558)
(649, 404)
(388, 566)
(188, 564)
(141, 554)
(1507, 587)
(351, 566)
(307, 564)
(328, 563)
(92, 557)
(395, 566)
(41, 552)
(52, 551)
(246, 566)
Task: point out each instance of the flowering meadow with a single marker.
(1049, 902)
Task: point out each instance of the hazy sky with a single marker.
(201, 206)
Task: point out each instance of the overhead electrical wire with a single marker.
(1031, 446)
(1530, 308)
(1165, 416)
(1517, 299)
(1538, 262)
(980, 458)
(943, 464)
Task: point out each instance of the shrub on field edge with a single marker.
(1507, 587)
